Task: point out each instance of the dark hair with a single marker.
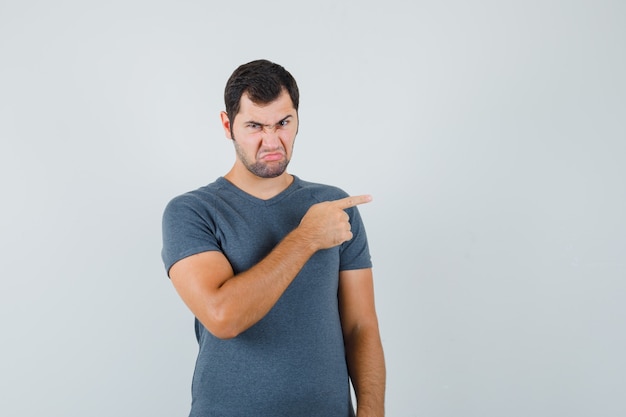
(263, 81)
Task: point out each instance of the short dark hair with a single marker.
(263, 81)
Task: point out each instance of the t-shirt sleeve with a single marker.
(355, 252)
(187, 229)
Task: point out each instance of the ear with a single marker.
(226, 124)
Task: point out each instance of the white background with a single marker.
(491, 134)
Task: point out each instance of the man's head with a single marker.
(262, 81)
(261, 117)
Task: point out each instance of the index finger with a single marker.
(352, 201)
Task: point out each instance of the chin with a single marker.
(268, 171)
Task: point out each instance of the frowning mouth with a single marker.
(272, 156)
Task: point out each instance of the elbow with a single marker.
(224, 333)
(221, 324)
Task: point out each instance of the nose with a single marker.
(271, 135)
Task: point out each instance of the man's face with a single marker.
(263, 135)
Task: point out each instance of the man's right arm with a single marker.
(228, 304)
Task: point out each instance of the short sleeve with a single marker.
(355, 252)
(187, 229)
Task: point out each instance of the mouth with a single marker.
(272, 156)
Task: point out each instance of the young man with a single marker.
(276, 271)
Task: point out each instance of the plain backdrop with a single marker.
(492, 135)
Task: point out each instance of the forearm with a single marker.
(246, 298)
(366, 365)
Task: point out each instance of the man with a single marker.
(276, 271)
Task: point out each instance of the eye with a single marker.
(253, 126)
(283, 123)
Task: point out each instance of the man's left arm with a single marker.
(364, 352)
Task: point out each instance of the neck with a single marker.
(262, 188)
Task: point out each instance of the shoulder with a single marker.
(197, 200)
(321, 192)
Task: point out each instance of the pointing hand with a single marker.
(327, 225)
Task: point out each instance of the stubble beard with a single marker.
(262, 169)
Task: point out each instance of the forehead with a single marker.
(266, 112)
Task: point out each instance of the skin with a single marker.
(228, 304)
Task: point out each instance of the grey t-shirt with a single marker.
(292, 362)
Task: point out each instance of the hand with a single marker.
(327, 224)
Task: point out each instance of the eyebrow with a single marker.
(274, 124)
